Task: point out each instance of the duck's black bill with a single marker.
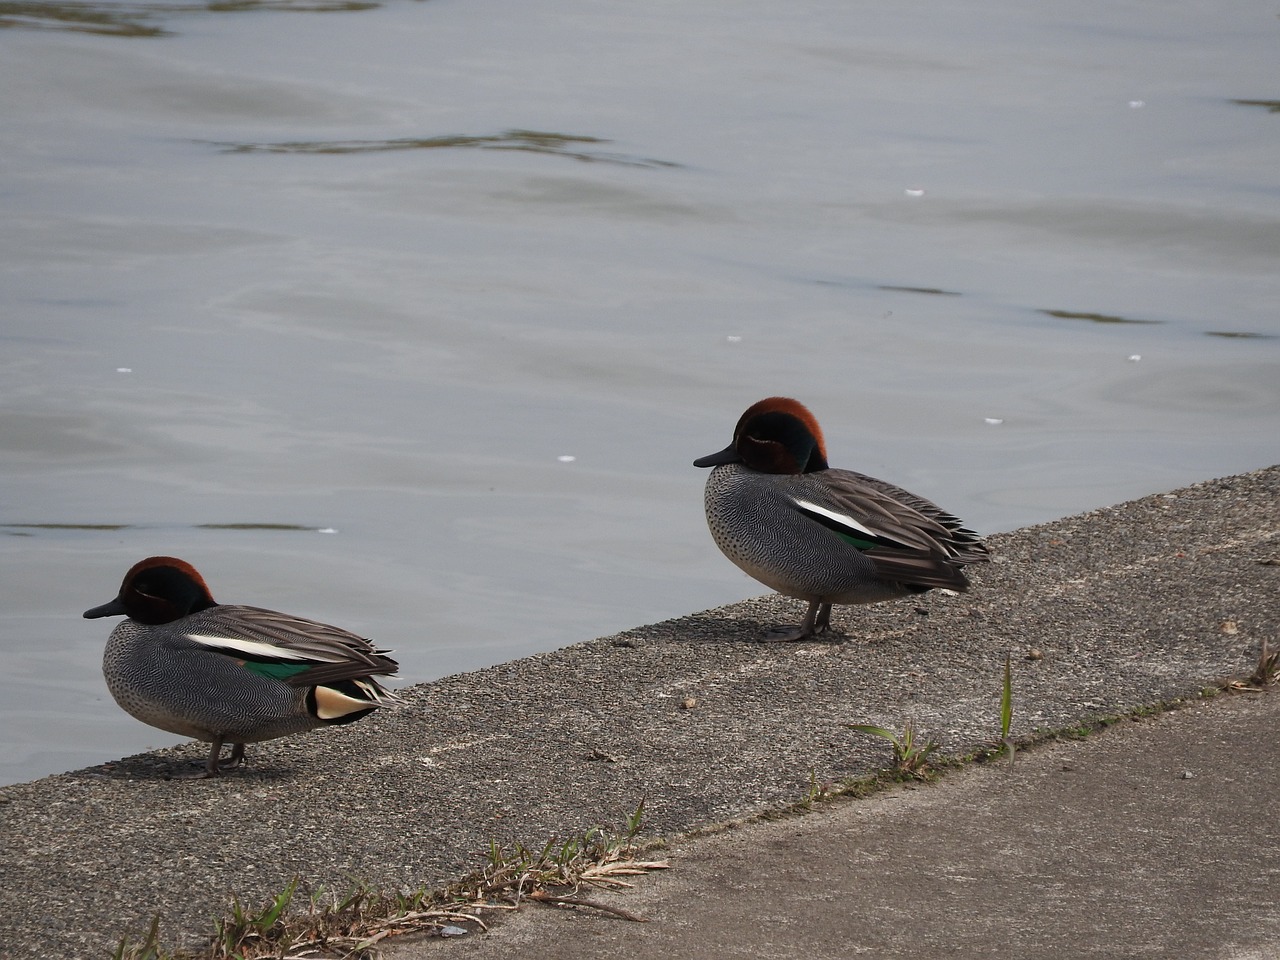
(727, 455)
(112, 609)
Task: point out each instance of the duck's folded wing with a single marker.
(872, 513)
(910, 539)
(306, 652)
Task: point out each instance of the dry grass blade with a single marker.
(608, 875)
(547, 898)
(1266, 674)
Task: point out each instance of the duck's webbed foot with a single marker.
(817, 622)
(215, 766)
(787, 634)
(235, 760)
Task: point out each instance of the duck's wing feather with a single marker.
(309, 652)
(944, 529)
(910, 539)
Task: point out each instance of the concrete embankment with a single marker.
(1124, 607)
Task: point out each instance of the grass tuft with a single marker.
(817, 790)
(910, 759)
(352, 926)
(147, 949)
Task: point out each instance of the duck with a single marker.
(230, 674)
(779, 511)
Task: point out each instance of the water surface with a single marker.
(412, 316)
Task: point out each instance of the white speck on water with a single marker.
(1137, 104)
(1134, 357)
(327, 530)
(915, 192)
(733, 339)
(565, 458)
(124, 369)
(993, 421)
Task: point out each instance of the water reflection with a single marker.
(25, 529)
(528, 141)
(1273, 106)
(136, 19)
(929, 290)
(11, 527)
(1094, 317)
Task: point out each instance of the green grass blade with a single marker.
(1006, 700)
(874, 731)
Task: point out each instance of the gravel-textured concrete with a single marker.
(1153, 839)
(1127, 606)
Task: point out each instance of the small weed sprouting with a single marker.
(909, 758)
(1006, 708)
(817, 790)
(633, 823)
(148, 949)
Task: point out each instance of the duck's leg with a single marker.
(802, 632)
(823, 623)
(215, 766)
(233, 761)
(211, 768)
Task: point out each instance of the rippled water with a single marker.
(411, 316)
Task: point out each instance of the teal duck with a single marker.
(827, 536)
(227, 673)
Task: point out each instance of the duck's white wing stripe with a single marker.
(256, 648)
(841, 518)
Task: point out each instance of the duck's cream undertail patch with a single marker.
(841, 518)
(331, 704)
(256, 648)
